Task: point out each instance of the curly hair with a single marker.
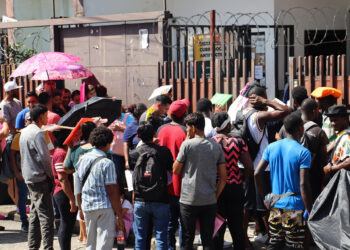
(100, 137)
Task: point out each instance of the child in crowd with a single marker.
(127, 211)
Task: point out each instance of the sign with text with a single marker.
(201, 47)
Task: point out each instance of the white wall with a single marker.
(38, 38)
(303, 20)
(41, 9)
(2, 8)
(105, 7)
(184, 8)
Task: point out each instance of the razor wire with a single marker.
(321, 20)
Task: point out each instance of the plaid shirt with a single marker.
(94, 194)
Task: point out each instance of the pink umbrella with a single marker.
(43, 62)
(73, 71)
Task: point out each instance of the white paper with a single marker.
(143, 38)
(259, 74)
(128, 177)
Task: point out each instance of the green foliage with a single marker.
(16, 53)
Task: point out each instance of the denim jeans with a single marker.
(143, 211)
(22, 200)
(174, 222)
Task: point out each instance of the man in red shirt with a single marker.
(172, 135)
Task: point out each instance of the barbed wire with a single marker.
(322, 21)
(36, 39)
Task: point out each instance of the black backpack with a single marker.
(306, 140)
(240, 129)
(149, 180)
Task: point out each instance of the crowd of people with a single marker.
(261, 160)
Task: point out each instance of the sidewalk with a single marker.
(12, 237)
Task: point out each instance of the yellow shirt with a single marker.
(15, 141)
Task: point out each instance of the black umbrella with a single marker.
(107, 108)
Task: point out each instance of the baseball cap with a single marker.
(11, 85)
(179, 107)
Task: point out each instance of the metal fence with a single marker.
(320, 71)
(311, 72)
(25, 81)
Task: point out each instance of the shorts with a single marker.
(252, 199)
(287, 228)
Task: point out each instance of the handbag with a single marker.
(271, 199)
(117, 144)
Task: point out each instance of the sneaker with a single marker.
(227, 244)
(199, 240)
(24, 228)
(261, 238)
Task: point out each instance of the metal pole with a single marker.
(212, 45)
(53, 9)
(164, 3)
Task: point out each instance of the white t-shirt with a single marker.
(209, 131)
(257, 133)
(127, 204)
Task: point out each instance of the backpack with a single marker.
(6, 172)
(306, 140)
(240, 130)
(149, 180)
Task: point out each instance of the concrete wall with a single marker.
(41, 9)
(304, 20)
(184, 8)
(38, 38)
(2, 8)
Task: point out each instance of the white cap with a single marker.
(11, 85)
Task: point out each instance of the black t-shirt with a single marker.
(317, 139)
(165, 160)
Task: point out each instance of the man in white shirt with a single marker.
(266, 111)
(205, 107)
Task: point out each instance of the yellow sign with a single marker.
(201, 47)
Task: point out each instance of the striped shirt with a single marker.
(94, 194)
(232, 149)
(57, 166)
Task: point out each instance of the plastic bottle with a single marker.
(120, 237)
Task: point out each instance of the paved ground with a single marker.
(13, 238)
